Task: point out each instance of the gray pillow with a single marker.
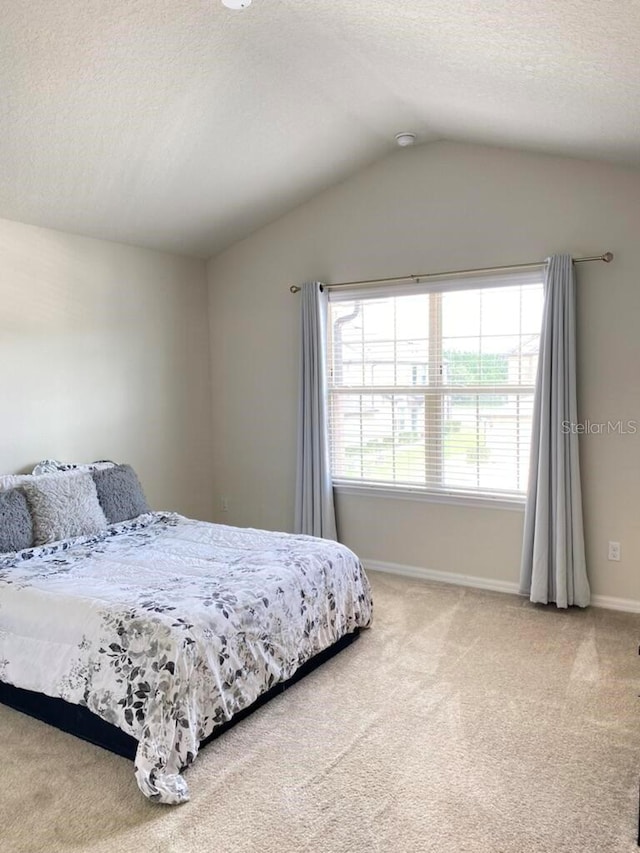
(120, 493)
(16, 529)
(63, 506)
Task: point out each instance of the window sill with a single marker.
(373, 490)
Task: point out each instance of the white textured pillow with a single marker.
(10, 481)
(63, 506)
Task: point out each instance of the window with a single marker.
(431, 386)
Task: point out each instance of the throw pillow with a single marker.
(63, 506)
(120, 493)
(16, 529)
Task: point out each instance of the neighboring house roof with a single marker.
(529, 346)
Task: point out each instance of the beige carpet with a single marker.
(462, 721)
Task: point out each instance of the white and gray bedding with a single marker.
(167, 627)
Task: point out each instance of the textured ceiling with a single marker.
(181, 125)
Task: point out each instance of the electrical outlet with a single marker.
(614, 551)
(224, 503)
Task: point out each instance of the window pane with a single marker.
(379, 342)
(378, 437)
(461, 313)
(487, 441)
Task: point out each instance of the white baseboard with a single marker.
(628, 605)
(441, 577)
(609, 602)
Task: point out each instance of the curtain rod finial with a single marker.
(607, 257)
(294, 288)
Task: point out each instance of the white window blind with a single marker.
(431, 386)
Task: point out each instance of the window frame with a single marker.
(488, 499)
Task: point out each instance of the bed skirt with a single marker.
(83, 723)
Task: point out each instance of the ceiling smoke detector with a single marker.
(236, 4)
(405, 138)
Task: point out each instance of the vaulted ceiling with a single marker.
(182, 125)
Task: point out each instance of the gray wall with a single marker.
(104, 353)
(436, 207)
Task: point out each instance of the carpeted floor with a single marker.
(462, 721)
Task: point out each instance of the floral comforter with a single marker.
(166, 627)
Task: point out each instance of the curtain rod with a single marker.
(417, 277)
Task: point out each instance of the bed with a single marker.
(166, 628)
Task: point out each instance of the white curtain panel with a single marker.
(314, 509)
(553, 560)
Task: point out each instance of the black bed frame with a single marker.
(83, 723)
